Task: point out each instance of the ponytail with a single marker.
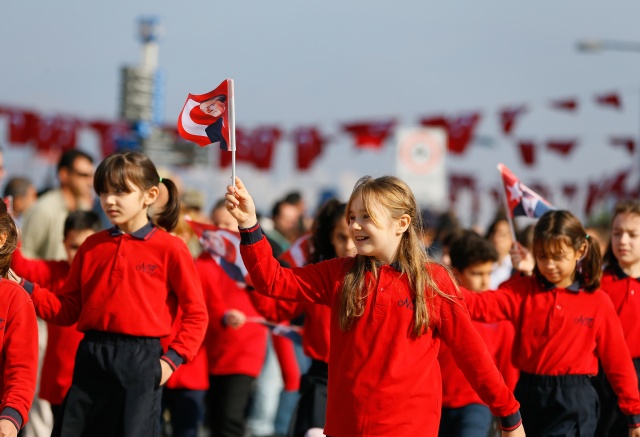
(168, 217)
(589, 269)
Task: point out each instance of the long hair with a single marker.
(622, 207)
(396, 198)
(119, 170)
(323, 225)
(10, 232)
(556, 228)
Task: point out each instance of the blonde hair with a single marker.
(397, 199)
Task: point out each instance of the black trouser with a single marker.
(116, 388)
(228, 404)
(311, 410)
(612, 422)
(562, 406)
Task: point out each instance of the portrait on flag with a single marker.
(223, 246)
(204, 118)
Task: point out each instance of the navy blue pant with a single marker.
(557, 406)
(469, 421)
(186, 408)
(115, 389)
(228, 404)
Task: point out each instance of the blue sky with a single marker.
(333, 61)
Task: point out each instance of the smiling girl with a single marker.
(390, 308)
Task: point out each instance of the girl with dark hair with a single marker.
(390, 307)
(563, 324)
(124, 288)
(621, 281)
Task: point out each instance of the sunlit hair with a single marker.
(324, 223)
(394, 197)
(7, 229)
(120, 171)
(558, 229)
(622, 207)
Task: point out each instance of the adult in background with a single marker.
(23, 195)
(41, 239)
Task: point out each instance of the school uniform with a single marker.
(235, 356)
(123, 291)
(624, 292)
(63, 341)
(560, 334)
(312, 405)
(383, 379)
(18, 353)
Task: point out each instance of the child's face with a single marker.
(625, 239)
(501, 238)
(477, 277)
(341, 241)
(74, 240)
(223, 219)
(377, 240)
(559, 266)
(128, 211)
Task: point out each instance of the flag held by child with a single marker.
(223, 245)
(207, 118)
(520, 199)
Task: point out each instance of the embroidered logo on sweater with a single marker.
(584, 321)
(149, 269)
(408, 303)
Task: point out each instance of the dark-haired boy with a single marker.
(463, 413)
(59, 357)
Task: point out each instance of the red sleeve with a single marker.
(312, 283)
(495, 305)
(20, 350)
(185, 283)
(33, 270)
(471, 355)
(213, 284)
(616, 361)
(275, 310)
(62, 308)
(286, 353)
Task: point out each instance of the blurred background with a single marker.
(329, 91)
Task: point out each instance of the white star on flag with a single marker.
(514, 191)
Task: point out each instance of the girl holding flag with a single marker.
(390, 306)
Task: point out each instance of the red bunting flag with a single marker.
(611, 100)
(569, 191)
(626, 142)
(522, 200)
(509, 116)
(110, 133)
(562, 147)
(459, 129)
(205, 118)
(223, 245)
(565, 104)
(255, 147)
(22, 126)
(309, 145)
(370, 135)
(527, 152)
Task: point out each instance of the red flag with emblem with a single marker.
(520, 199)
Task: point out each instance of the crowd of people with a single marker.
(372, 317)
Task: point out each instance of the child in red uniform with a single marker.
(62, 343)
(329, 239)
(390, 306)
(563, 323)
(123, 290)
(621, 281)
(463, 413)
(18, 338)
